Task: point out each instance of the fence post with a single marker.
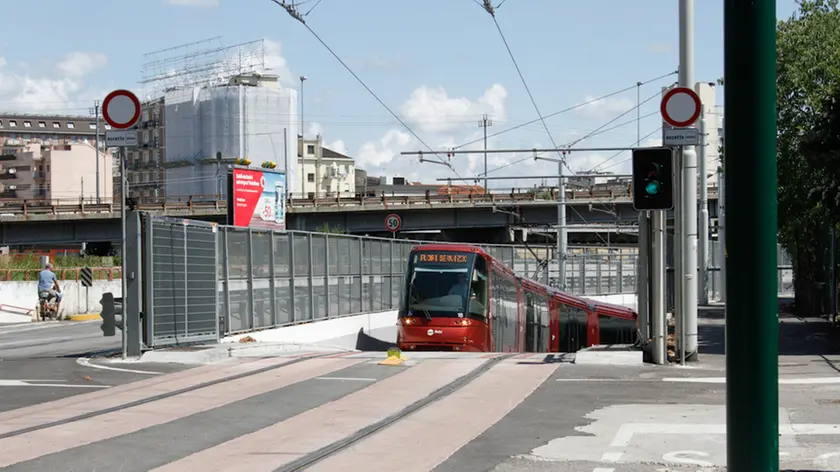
(391, 274)
(216, 264)
(186, 285)
(327, 275)
(249, 265)
(149, 282)
(312, 307)
(271, 273)
(226, 276)
(361, 275)
(290, 240)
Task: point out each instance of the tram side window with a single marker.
(512, 314)
(531, 323)
(544, 328)
(498, 311)
(478, 302)
(572, 328)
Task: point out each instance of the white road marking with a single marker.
(677, 456)
(603, 469)
(785, 381)
(23, 383)
(611, 456)
(627, 430)
(85, 362)
(359, 379)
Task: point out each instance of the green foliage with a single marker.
(27, 268)
(325, 228)
(807, 86)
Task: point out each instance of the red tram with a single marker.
(459, 298)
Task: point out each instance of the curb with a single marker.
(85, 317)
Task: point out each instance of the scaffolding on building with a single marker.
(199, 64)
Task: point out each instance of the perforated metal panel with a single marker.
(182, 286)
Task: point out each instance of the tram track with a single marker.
(342, 444)
(161, 396)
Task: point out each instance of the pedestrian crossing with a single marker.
(265, 414)
(441, 412)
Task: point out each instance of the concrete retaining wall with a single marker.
(310, 333)
(25, 295)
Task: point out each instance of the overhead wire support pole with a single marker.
(752, 326)
(484, 123)
(688, 199)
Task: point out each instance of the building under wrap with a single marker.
(244, 119)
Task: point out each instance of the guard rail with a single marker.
(36, 207)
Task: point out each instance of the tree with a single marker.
(807, 77)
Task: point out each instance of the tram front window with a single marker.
(439, 284)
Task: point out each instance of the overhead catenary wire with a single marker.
(295, 14)
(488, 6)
(568, 109)
(595, 169)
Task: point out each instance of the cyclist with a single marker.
(48, 285)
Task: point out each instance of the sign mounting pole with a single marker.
(121, 110)
(680, 108)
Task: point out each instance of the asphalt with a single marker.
(580, 418)
(42, 362)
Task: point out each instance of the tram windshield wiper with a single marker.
(420, 298)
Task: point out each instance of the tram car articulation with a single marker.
(459, 298)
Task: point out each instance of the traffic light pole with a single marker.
(752, 373)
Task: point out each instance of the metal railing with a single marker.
(215, 205)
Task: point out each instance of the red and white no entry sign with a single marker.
(680, 107)
(121, 109)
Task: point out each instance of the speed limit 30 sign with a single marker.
(393, 222)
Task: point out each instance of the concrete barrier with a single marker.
(25, 294)
(315, 332)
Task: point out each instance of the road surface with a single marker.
(41, 362)
(525, 413)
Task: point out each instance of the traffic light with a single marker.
(653, 179)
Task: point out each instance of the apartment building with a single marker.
(58, 173)
(323, 171)
(145, 170)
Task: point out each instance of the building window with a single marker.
(310, 149)
(27, 124)
(71, 125)
(12, 124)
(92, 125)
(107, 126)
(42, 124)
(310, 177)
(56, 124)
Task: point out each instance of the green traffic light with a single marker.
(652, 188)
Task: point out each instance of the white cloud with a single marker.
(276, 64)
(605, 107)
(338, 146)
(431, 110)
(377, 153)
(59, 90)
(195, 3)
(315, 129)
(79, 64)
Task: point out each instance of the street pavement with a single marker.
(42, 362)
(532, 412)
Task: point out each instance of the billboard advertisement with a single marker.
(257, 198)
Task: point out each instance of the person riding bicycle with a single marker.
(48, 285)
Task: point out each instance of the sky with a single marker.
(439, 65)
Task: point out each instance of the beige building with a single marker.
(146, 173)
(324, 171)
(60, 173)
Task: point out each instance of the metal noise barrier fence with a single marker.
(203, 281)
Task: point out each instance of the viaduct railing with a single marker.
(213, 205)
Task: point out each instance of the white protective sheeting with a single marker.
(238, 121)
